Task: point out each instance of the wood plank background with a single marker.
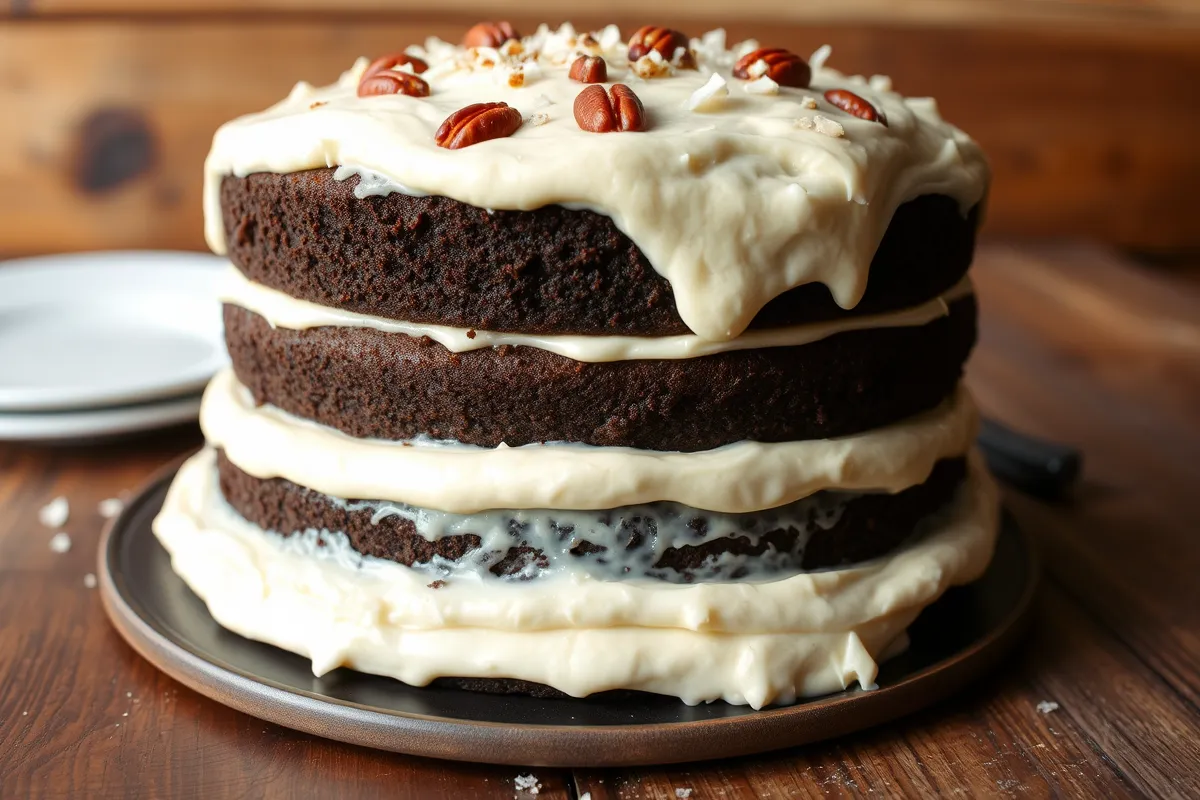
(1089, 111)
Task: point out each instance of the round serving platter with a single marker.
(955, 641)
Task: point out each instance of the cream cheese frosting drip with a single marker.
(748, 642)
(283, 311)
(733, 203)
(747, 476)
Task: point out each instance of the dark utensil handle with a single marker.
(1035, 466)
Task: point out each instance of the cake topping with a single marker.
(618, 109)
(392, 83)
(490, 34)
(671, 46)
(477, 123)
(781, 66)
(851, 103)
(588, 69)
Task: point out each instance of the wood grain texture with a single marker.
(1088, 127)
(1077, 344)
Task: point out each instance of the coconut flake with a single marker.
(536, 120)
(828, 126)
(808, 101)
(762, 85)
(710, 96)
(758, 69)
(819, 57)
(1047, 706)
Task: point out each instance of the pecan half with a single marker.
(618, 109)
(490, 34)
(664, 40)
(853, 104)
(588, 69)
(477, 123)
(782, 66)
(394, 60)
(392, 83)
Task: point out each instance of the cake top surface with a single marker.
(736, 189)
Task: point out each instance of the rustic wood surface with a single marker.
(1086, 109)
(1077, 344)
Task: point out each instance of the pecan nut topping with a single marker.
(665, 41)
(618, 109)
(477, 123)
(589, 69)
(395, 60)
(853, 104)
(392, 83)
(782, 66)
(490, 34)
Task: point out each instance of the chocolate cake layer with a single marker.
(393, 386)
(869, 526)
(551, 270)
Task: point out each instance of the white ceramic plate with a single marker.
(71, 427)
(103, 329)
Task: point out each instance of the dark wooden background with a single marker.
(1089, 109)
(1077, 344)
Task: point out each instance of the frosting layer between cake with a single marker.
(748, 476)
(283, 311)
(734, 204)
(755, 643)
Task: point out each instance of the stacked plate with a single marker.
(98, 345)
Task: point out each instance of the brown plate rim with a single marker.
(531, 744)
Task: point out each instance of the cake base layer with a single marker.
(757, 642)
(550, 270)
(855, 529)
(368, 383)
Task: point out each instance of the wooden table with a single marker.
(1076, 344)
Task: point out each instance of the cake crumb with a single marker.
(60, 542)
(55, 513)
(111, 507)
(683, 793)
(527, 783)
(89, 580)
(1047, 706)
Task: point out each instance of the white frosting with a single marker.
(284, 311)
(733, 203)
(753, 643)
(748, 476)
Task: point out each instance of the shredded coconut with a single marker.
(527, 783)
(60, 542)
(111, 507)
(819, 57)
(762, 85)
(651, 65)
(1047, 706)
(710, 96)
(758, 69)
(828, 126)
(89, 580)
(808, 101)
(534, 119)
(55, 513)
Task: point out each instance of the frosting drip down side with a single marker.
(733, 206)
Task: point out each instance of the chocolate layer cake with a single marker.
(592, 364)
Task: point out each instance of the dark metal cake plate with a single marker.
(956, 640)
